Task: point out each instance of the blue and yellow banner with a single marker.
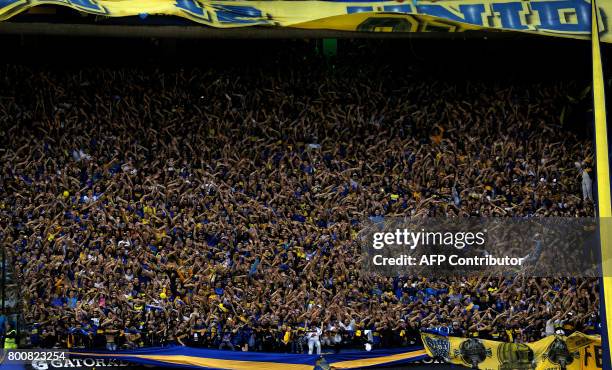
(177, 356)
(213, 359)
(568, 18)
(382, 357)
(550, 353)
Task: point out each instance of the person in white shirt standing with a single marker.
(587, 183)
(314, 335)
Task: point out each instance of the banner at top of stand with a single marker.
(566, 18)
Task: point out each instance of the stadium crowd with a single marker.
(218, 208)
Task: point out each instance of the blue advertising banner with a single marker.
(187, 357)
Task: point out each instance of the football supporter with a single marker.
(219, 208)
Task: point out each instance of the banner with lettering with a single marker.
(591, 357)
(568, 18)
(552, 352)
